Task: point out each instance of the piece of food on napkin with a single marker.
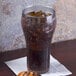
(28, 73)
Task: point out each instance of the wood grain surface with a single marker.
(64, 51)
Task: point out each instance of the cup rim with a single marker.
(51, 9)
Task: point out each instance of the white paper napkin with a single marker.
(56, 68)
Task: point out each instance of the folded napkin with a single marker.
(56, 68)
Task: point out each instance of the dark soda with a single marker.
(38, 27)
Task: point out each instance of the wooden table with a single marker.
(65, 52)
